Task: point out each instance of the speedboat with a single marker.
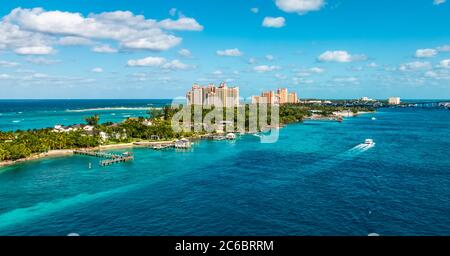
(369, 142)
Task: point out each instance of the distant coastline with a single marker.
(142, 143)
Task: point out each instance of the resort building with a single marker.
(221, 96)
(394, 101)
(282, 96)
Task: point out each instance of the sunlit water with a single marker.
(30, 114)
(316, 180)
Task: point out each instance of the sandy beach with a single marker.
(65, 152)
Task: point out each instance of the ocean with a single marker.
(316, 179)
(30, 114)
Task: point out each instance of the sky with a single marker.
(157, 49)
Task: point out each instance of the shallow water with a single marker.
(316, 180)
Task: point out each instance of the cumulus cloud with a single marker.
(270, 57)
(230, 52)
(299, 6)
(265, 68)
(173, 11)
(426, 53)
(39, 28)
(34, 50)
(183, 23)
(443, 48)
(415, 65)
(185, 53)
(438, 2)
(157, 62)
(352, 80)
(254, 10)
(74, 40)
(147, 62)
(174, 65)
(97, 70)
(274, 22)
(41, 61)
(444, 63)
(8, 64)
(316, 70)
(104, 49)
(340, 56)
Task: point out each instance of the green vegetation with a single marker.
(21, 144)
(93, 120)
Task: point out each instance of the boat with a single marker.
(183, 143)
(369, 142)
(230, 136)
(373, 118)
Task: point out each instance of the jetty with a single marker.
(111, 158)
(121, 159)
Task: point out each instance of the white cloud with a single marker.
(274, 22)
(444, 63)
(340, 56)
(74, 40)
(185, 53)
(39, 28)
(299, 6)
(372, 65)
(252, 61)
(34, 50)
(265, 68)
(147, 62)
(175, 64)
(270, 57)
(352, 80)
(8, 64)
(41, 61)
(415, 65)
(426, 53)
(157, 62)
(316, 70)
(97, 70)
(183, 23)
(443, 48)
(438, 2)
(254, 10)
(173, 11)
(230, 52)
(104, 49)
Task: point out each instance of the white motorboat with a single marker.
(369, 142)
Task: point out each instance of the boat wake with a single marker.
(338, 159)
(21, 215)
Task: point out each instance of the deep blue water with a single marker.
(315, 180)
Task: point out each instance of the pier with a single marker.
(121, 159)
(110, 157)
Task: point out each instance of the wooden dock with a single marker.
(121, 159)
(110, 157)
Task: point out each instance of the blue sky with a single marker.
(158, 49)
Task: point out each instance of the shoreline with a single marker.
(66, 152)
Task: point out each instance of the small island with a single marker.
(18, 146)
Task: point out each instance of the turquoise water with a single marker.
(315, 180)
(30, 114)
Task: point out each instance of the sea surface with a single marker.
(317, 179)
(30, 114)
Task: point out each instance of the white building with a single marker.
(394, 100)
